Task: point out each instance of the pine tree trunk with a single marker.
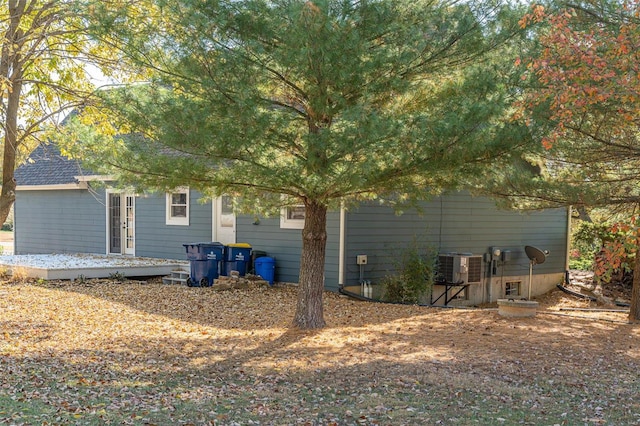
(634, 311)
(309, 312)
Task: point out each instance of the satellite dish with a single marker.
(536, 255)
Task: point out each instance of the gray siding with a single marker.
(74, 221)
(285, 246)
(453, 223)
(71, 221)
(154, 238)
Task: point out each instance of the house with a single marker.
(62, 208)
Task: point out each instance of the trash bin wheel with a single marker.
(190, 282)
(204, 282)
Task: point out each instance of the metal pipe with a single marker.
(341, 247)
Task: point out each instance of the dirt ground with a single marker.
(100, 352)
(6, 242)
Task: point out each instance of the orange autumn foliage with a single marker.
(618, 252)
(589, 75)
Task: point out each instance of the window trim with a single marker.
(172, 220)
(286, 223)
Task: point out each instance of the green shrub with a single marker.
(8, 224)
(587, 239)
(118, 276)
(414, 276)
(581, 263)
(608, 249)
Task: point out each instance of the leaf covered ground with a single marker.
(145, 353)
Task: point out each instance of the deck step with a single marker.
(172, 281)
(176, 277)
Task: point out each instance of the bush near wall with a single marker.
(413, 281)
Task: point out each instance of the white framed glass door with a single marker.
(121, 223)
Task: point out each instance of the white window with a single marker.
(178, 207)
(292, 217)
(512, 288)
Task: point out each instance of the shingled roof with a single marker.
(47, 166)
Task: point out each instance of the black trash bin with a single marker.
(237, 258)
(204, 261)
(255, 254)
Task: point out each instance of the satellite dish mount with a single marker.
(536, 257)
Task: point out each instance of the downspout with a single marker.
(214, 219)
(489, 280)
(15, 240)
(568, 250)
(341, 248)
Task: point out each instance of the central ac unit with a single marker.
(460, 267)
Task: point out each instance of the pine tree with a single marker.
(313, 103)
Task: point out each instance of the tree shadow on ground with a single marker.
(482, 369)
(250, 309)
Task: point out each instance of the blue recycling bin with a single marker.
(202, 273)
(204, 263)
(266, 268)
(205, 251)
(236, 258)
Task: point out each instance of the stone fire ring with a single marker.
(517, 308)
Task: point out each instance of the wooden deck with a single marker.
(72, 266)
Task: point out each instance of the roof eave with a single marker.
(56, 187)
(94, 178)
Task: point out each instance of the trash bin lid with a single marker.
(244, 245)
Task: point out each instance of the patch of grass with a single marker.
(19, 408)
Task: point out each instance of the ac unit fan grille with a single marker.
(447, 268)
(475, 269)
